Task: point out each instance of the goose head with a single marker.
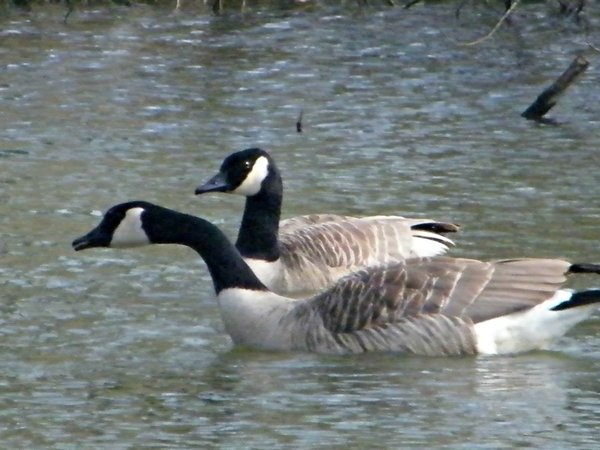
(242, 173)
(122, 226)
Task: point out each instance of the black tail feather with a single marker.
(437, 227)
(581, 298)
(584, 268)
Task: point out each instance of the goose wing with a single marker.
(317, 255)
(326, 251)
(293, 223)
(424, 305)
(423, 227)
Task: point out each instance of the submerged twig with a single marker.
(500, 22)
(547, 99)
(459, 8)
(412, 3)
(586, 27)
(592, 46)
(71, 7)
(299, 123)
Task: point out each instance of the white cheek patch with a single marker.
(252, 183)
(130, 233)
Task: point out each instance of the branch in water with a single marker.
(547, 99)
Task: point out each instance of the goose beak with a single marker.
(94, 238)
(218, 183)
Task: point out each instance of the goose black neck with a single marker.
(226, 266)
(258, 233)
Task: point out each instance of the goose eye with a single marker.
(247, 164)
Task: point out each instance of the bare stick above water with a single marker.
(547, 99)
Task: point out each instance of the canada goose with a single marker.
(310, 252)
(429, 306)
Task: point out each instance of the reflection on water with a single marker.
(125, 349)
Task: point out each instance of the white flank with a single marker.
(269, 272)
(252, 317)
(427, 244)
(253, 181)
(130, 233)
(533, 329)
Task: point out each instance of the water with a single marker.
(126, 350)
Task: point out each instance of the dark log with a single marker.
(547, 99)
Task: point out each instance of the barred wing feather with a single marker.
(315, 256)
(423, 305)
